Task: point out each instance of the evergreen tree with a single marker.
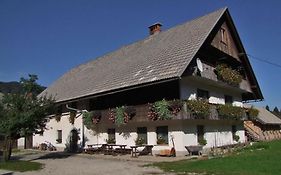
(267, 108)
(275, 111)
(23, 114)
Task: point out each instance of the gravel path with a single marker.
(73, 165)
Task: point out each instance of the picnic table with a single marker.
(111, 151)
(146, 150)
(95, 148)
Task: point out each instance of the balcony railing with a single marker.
(209, 73)
(184, 114)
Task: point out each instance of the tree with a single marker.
(267, 108)
(23, 114)
(276, 111)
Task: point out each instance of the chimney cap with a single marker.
(155, 24)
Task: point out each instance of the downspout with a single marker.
(79, 111)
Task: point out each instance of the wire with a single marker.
(264, 60)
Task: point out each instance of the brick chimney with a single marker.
(155, 28)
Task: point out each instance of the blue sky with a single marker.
(48, 38)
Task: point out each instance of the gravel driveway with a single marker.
(75, 164)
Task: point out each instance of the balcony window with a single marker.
(202, 94)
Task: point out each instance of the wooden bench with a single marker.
(194, 150)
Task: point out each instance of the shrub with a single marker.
(228, 75)
(228, 111)
(200, 108)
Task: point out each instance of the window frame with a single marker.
(165, 134)
(59, 136)
(142, 133)
(205, 93)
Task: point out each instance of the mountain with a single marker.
(11, 87)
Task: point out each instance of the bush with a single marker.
(200, 108)
(228, 111)
(228, 75)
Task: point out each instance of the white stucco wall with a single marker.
(188, 90)
(184, 132)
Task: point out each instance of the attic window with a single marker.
(223, 36)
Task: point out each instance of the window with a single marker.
(223, 36)
(200, 133)
(202, 94)
(59, 136)
(162, 135)
(111, 136)
(142, 134)
(233, 129)
(228, 99)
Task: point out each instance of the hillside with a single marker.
(11, 87)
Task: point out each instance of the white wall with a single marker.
(188, 90)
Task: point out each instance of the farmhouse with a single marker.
(176, 86)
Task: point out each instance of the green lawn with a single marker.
(259, 159)
(21, 166)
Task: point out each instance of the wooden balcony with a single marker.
(208, 74)
(184, 114)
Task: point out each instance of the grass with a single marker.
(259, 159)
(21, 166)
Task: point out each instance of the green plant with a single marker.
(110, 141)
(236, 137)
(58, 117)
(72, 116)
(161, 108)
(253, 112)
(200, 108)
(139, 141)
(228, 111)
(202, 141)
(120, 116)
(91, 118)
(228, 75)
(175, 106)
(161, 141)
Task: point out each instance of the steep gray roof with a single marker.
(158, 57)
(267, 117)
